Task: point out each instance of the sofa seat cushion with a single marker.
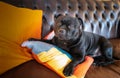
(109, 71)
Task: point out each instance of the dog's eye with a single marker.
(70, 26)
(58, 24)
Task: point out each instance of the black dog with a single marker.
(70, 37)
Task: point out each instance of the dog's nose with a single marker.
(61, 31)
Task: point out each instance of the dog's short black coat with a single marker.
(70, 37)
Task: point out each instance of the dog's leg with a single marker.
(106, 51)
(77, 58)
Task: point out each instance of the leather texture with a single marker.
(99, 16)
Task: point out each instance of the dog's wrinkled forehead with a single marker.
(67, 20)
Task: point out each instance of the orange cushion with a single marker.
(16, 26)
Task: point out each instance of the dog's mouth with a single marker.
(60, 37)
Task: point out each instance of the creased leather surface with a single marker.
(110, 71)
(99, 17)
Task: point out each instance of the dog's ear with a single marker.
(81, 23)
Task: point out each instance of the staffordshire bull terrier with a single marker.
(70, 37)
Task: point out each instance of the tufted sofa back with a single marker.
(99, 16)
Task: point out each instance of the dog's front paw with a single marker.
(68, 70)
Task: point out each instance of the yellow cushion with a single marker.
(16, 26)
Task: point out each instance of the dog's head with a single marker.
(68, 28)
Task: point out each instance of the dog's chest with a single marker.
(63, 45)
(60, 43)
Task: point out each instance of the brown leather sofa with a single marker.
(99, 16)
